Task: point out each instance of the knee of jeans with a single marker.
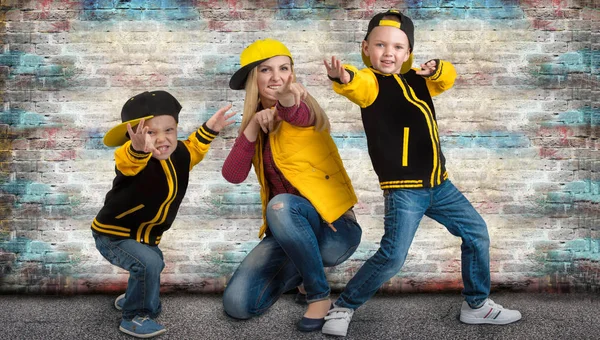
(392, 259)
(148, 269)
(278, 202)
(234, 306)
(332, 260)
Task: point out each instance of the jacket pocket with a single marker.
(405, 147)
(130, 211)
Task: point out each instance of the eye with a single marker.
(379, 45)
(264, 70)
(150, 132)
(284, 68)
(170, 129)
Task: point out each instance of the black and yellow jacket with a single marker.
(147, 192)
(400, 124)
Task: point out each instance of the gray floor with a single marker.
(407, 316)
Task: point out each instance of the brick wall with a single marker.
(519, 129)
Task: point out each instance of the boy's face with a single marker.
(272, 74)
(163, 131)
(387, 48)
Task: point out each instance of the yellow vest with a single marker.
(310, 161)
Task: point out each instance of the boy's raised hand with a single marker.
(140, 139)
(428, 68)
(220, 120)
(336, 70)
(291, 93)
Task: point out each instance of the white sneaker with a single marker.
(337, 321)
(489, 313)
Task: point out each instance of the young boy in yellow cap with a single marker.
(152, 169)
(403, 142)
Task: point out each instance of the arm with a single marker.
(439, 75)
(129, 161)
(239, 161)
(298, 115)
(198, 142)
(360, 87)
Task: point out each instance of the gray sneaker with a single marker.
(119, 301)
(337, 321)
(488, 313)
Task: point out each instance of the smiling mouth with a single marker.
(274, 87)
(387, 62)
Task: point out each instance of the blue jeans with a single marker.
(301, 244)
(144, 263)
(404, 209)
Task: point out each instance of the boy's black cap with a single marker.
(145, 105)
(405, 24)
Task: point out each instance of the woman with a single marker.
(306, 195)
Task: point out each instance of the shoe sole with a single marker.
(143, 336)
(117, 299)
(478, 321)
(335, 332)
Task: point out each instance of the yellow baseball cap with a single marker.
(253, 55)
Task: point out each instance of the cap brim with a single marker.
(117, 136)
(238, 80)
(405, 67)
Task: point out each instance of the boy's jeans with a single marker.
(144, 263)
(404, 209)
(298, 249)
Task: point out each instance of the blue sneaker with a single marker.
(119, 301)
(141, 327)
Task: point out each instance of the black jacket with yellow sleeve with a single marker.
(400, 124)
(147, 192)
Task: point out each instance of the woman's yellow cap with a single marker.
(253, 55)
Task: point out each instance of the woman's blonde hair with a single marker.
(252, 100)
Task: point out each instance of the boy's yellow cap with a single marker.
(253, 55)
(145, 105)
(405, 25)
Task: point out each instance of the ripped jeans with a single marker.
(300, 245)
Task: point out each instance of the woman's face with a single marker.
(272, 74)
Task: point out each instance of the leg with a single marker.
(452, 209)
(404, 209)
(295, 225)
(144, 263)
(262, 277)
(337, 246)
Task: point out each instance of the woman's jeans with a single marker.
(301, 244)
(404, 209)
(144, 263)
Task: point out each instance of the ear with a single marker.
(365, 47)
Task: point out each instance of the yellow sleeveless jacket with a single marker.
(310, 161)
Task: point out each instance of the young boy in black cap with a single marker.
(403, 142)
(152, 169)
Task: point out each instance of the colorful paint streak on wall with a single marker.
(575, 263)
(28, 72)
(29, 145)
